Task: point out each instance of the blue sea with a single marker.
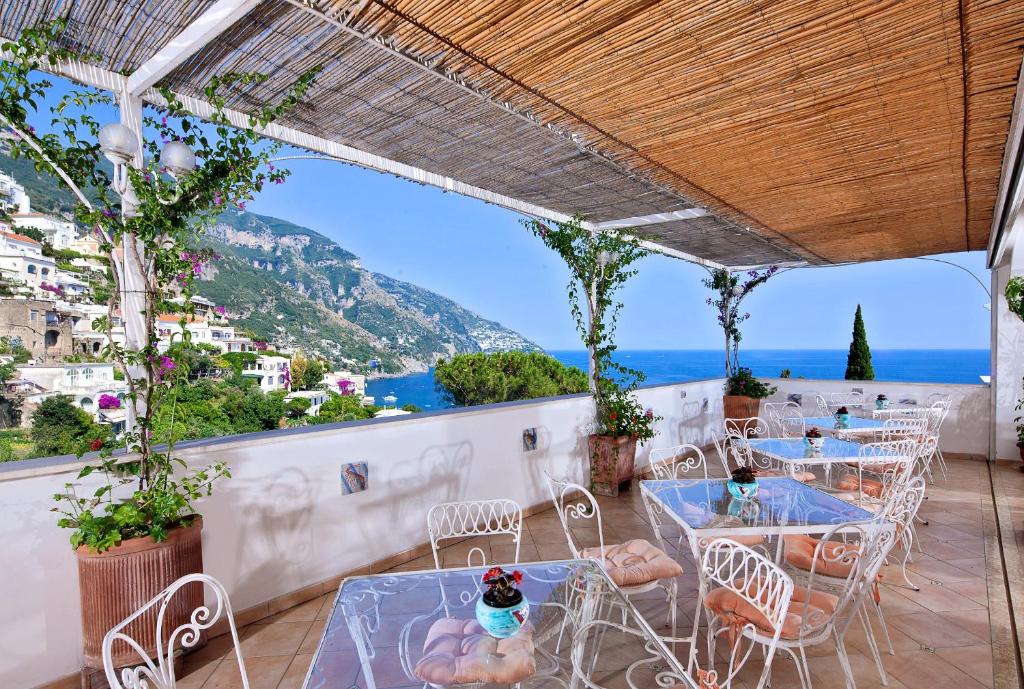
(673, 366)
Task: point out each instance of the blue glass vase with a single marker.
(742, 491)
(504, 622)
(842, 420)
(881, 404)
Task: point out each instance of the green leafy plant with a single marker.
(478, 378)
(744, 475)
(152, 235)
(730, 292)
(1014, 294)
(858, 361)
(599, 265)
(742, 382)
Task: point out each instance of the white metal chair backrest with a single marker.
(786, 419)
(669, 463)
(903, 506)
(845, 399)
(743, 429)
(753, 578)
(723, 450)
(900, 428)
(892, 462)
(574, 503)
(822, 405)
(925, 452)
(845, 547)
(474, 518)
(158, 672)
(937, 414)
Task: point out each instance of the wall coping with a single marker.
(44, 466)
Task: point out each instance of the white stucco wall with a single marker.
(1007, 347)
(281, 522)
(966, 428)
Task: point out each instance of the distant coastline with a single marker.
(670, 366)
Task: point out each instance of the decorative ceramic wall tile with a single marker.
(355, 477)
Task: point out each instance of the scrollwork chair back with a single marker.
(474, 518)
(786, 419)
(669, 463)
(760, 583)
(574, 503)
(158, 672)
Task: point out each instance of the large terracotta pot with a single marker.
(612, 461)
(740, 406)
(117, 582)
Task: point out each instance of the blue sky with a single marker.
(480, 256)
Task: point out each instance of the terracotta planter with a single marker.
(740, 406)
(612, 461)
(115, 583)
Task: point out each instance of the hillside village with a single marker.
(52, 287)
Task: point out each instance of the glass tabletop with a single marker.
(782, 505)
(796, 450)
(856, 423)
(383, 631)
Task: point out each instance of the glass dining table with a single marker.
(856, 427)
(706, 510)
(388, 630)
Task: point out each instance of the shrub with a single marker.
(471, 379)
(61, 428)
(743, 382)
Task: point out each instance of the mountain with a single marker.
(292, 286)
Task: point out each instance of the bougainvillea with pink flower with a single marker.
(109, 402)
(152, 236)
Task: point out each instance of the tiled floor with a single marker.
(941, 633)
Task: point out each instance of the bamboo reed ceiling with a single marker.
(826, 131)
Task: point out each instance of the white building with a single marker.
(272, 373)
(345, 383)
(316, 399)
(222, 337)
(12, 194)
(88, 245)
(22, 260)
(59, 233)
(85, 383)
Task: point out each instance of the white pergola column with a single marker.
(133, 261)
(1007, 348)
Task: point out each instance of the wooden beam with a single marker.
(210, 24)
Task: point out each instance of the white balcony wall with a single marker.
(966, 429)
(282, 523)
(1007, 347)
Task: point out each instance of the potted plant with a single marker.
(599, 264)
(743, 395)
(743, 392)
(1019, 420)
(881, 402)
(842, 417)
(135, 531)
(813, 439)
(743, 484)
(621, 423)
(502, 609)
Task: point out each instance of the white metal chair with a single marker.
(636, 566)
(845, 563)
(887, 466)
(157, 672)
(474, 518)
(739, 432)
(669, 463)
(852, 400)
(786, 419)
(897, 428)
(746, 596)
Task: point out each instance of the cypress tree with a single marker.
(858, 362)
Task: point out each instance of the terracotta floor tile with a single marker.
(974, 565)
(281, 638)
(304, 612)
(938, 598)
(937, 570)
(975, 589)
(926, 670)
(934, 630)
(312, 638)
(976, 661)
(263, 672)
(295, 675)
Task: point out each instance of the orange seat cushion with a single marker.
(818, 606)
(867, 486)
(461, 652)
(635, 562)
(835, 559)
